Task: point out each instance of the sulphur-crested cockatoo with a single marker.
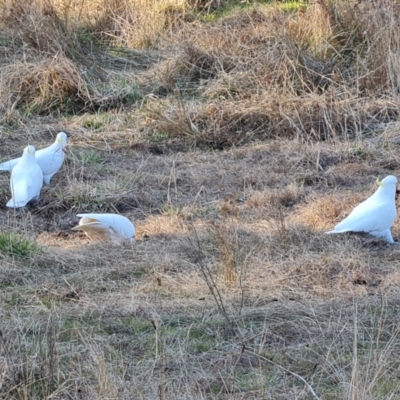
(50, 159)
(106, 227)
(375, 215)
(26, 179)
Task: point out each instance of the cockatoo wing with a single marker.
(25, 183)
(109, 227)
(51, 158)
(95, 230)
(20, 194)
(369, 216)
(375, 215)
(50, 161)
(9, 165)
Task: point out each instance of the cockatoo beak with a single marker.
(65, 149)
(379, 183)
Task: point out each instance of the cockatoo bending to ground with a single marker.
(50, 159)
(375, 215)
(26, 179)
(106, 227)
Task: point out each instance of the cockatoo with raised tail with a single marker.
(50, 159)
(106, 227)
(26, 179)
(375, 215)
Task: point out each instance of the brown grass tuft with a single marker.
(322, 213)
(312, 28)
(258, 84)
(162, 225)
(270, 198)
(43, 86)
(138, 23)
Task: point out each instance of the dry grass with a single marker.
(235, 70)
(233, 135)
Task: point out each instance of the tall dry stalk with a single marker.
(196, 246)
(227, 239)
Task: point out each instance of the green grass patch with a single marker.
(85, 200)
(15, 245)
(234, 6)
(291, 6)
(130, 91)
(201, 345)
(158, 137)
(15, 299)
(85, 156)
(96, 121)
(139, 273)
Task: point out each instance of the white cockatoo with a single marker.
(375, 215)
(106, 227)
(26, 179)
(50, 159)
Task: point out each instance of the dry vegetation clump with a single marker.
(109, 196)
(236, 68)
(162, 225)
(39, 28)
(127, 23)
(138, 23)
(257, 77)
(315, 30)
(56, 64)
(378, 58)
(267, 199)
(259, 348)
(44, 85)
(325, 212)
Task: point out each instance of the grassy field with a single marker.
(232, 134)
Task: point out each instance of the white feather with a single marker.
(375, 215)
(50, 159)
(106, 227)
(26, 179)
